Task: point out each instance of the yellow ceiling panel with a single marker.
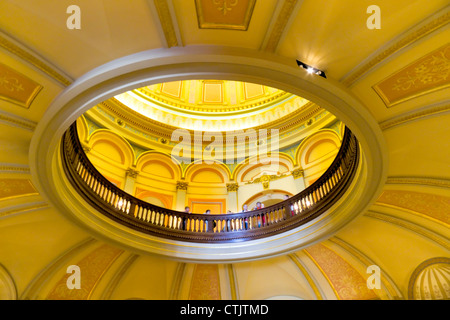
(17, 88)
(429, 73)
(224, 14)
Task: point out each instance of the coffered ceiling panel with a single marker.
(224, 22)
(224, 14)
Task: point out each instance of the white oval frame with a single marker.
(205, 62)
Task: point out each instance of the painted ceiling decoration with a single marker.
(431, 280)
(17, 88)
(427, 74)
(224, 14)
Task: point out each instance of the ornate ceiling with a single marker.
(211, 105)
(374, 66)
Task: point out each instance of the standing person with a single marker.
(245, 209)
(206, 221)
(258, 206)
(185, 221)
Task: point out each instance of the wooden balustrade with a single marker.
(145, 217)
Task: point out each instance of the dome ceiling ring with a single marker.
(203, 62)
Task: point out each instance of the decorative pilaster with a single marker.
(299, 183)
(232, 189)
(181, 195)
(130, 180)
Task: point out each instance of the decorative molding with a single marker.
(17, 88)
(205, 283)
(234, 288)
(440, 240)
(429, 205)
(34, 288)
(406, 40)
(297, 173)
(232, 187)
(389, 284)
(23, 208)
(224, 14)
(146, 126)
(429, 181)
(118, 276)
(295, 259)
(177, 282)
(13, 188)
(416, 115)
(27, 55)
(279, 26)
(13, 168)
(430, 280)
(425, 75)
(94, 265)
(15, 121)
(347, 283)
(87, 149)
(132, 173)
(265, 179)
(167, 23)
(7, 284)
(181, 185)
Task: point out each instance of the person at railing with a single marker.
(286, 196)
(206, 221)
(187, 210)
(245, 208)
(258, 206)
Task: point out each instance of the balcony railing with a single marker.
(145, 217)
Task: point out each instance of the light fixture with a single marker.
(311, 69)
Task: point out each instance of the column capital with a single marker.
(232, 187)
(182, 185)
(132, 173)
(297, 173)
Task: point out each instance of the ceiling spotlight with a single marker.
(310, 69)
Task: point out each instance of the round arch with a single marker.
(116, 142)
(303, 152)
(280, 159)
(206, 62)
(217, 166)
(164, 160)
